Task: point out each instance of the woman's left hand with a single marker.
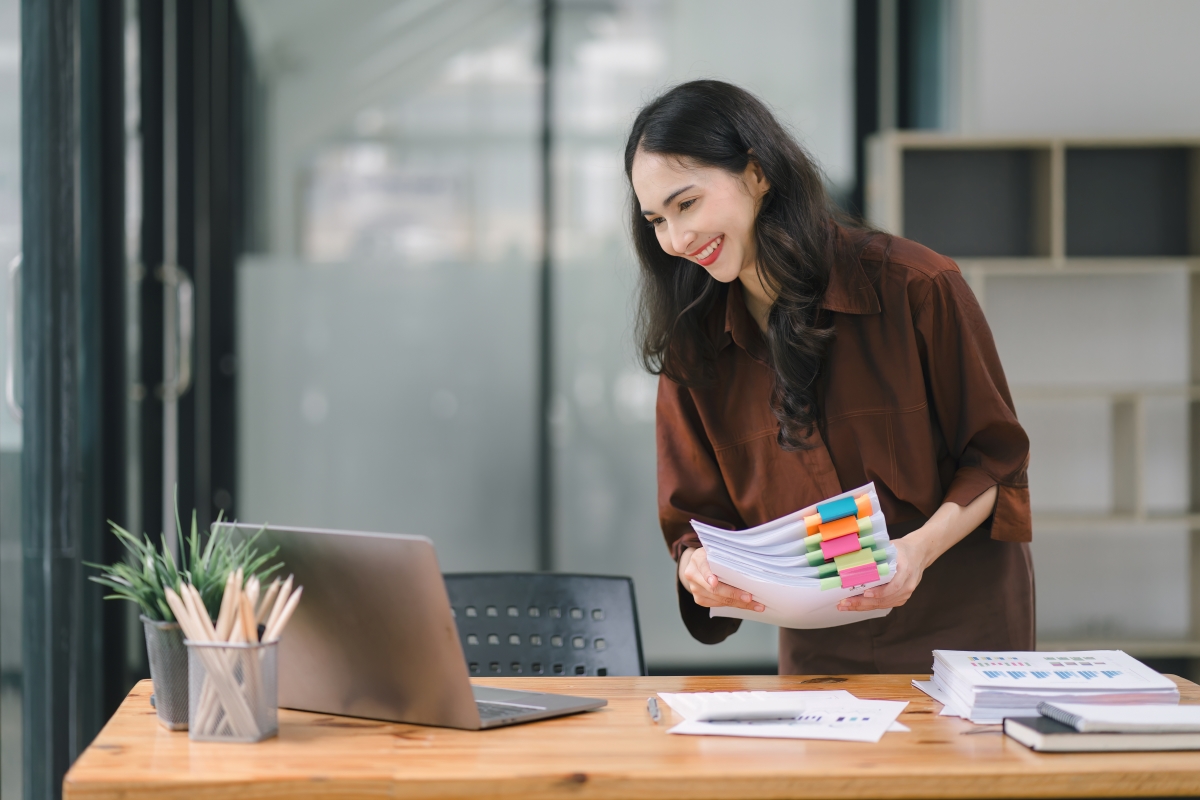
(910, 566)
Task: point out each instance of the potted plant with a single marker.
(143, 579)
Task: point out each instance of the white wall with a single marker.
(1090, 68)
(1079, 66)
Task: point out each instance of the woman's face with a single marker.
(703, 214)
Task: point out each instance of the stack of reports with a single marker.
(802, 565)
(987, 687)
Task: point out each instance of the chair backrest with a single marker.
(533, 623)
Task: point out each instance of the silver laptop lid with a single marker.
(373, 634)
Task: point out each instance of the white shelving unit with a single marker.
(1069, 207)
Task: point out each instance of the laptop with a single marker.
(374, 636)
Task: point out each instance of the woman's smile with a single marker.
(706, 256)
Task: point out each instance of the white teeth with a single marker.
(708, 251)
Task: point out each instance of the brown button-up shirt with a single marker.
(912, 397)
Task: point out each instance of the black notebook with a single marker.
(1050, 736)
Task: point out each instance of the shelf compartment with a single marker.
(1129, 201)
(978, 202)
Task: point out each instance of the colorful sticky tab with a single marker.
(854, 559)
(859, 575)
(839, 527)
(812, 544)
(863, 504)
(865, 526)
(836, 509)
(835, 581)
(812, 523)
(840, 546)
(827, 568)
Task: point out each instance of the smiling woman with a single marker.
(800, 354)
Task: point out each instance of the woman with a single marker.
(800, 356)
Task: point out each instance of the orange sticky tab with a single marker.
(864, 505)
(839, 527)
(812, 523)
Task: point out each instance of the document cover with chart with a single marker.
(984, 686)
(802, 565)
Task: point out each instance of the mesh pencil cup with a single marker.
(232, 691)
(168, 668)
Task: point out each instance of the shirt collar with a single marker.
(741, 327)
(849, 292)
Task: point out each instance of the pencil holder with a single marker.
(168, 669)
(232, 691)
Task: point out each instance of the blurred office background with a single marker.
(401, 227)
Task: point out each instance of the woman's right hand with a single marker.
(707, 588)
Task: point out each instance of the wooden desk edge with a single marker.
(1102, 782)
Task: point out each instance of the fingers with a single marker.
(864, 603)
(709, 591)
(889, 595)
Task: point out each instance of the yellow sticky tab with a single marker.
(855, 559)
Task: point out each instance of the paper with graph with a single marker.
(836, 715)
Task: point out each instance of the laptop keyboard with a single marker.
(500, 711)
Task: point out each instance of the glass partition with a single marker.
(10, 421)
(388, 329)
(610, 59)
(388, 336)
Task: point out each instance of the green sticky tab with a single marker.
(815, 558)
(884, 569)
(856, 559)
(831, 583)
(864, 525)
(827, 570)
(880, 556)
(812, 542)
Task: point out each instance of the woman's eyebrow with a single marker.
(670, 197)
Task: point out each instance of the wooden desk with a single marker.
(617, 752)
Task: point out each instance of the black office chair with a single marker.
(531, 623)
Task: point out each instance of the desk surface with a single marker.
(616, 752)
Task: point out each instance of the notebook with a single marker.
(1047, 735)
(1141, 718)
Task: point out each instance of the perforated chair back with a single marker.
(532, 623)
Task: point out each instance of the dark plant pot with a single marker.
(169, 671)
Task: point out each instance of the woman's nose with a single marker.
(683, 242)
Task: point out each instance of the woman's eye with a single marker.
(686, 204)
(657, 221)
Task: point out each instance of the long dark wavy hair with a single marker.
(716, 124)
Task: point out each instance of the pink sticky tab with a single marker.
(839, 546)
(859, 575)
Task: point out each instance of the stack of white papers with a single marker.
(987, 687)
(836, 715)
(782, 565)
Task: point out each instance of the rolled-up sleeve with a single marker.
(973, 405)
(690, 486)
